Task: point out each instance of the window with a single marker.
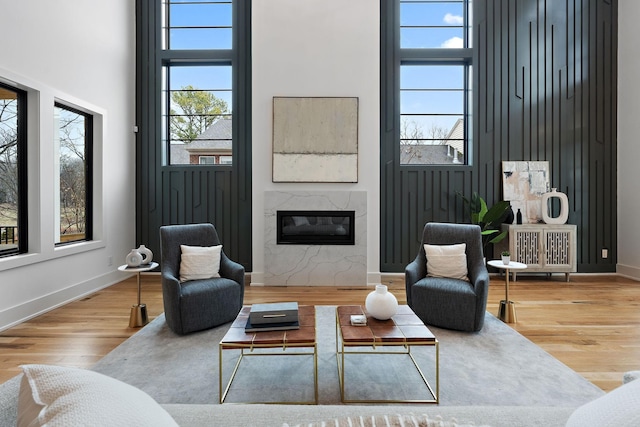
(197, 24)
(435, 82)
(73, 145)
(197, 99)
(13, 173)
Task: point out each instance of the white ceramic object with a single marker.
(506, 259)
(134, 258)
(147, 255)
(381, 304)
(564, 207)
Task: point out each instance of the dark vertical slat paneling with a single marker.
(189, 194)
(546, 90)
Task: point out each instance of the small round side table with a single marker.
(138, 315)
(507, 311)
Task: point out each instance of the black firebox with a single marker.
(315, 228)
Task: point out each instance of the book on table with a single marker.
(273, 313)
(264, 327)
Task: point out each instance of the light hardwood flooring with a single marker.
(591, 324)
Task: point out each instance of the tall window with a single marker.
(73, 143)
(435, 81)
(13, 173)
(197, 81)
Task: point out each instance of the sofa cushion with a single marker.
(447, 261)
(199, 262)
(619, 407)
(60, 396)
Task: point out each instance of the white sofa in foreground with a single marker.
(71, 397)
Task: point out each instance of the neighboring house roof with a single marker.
(216, 138)
(220, 129)
(418, 154)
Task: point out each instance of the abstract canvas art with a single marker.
(315, 139)
(523, 185)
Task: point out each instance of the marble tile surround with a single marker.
(315, 265)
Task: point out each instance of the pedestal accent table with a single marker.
(507, 311)
(138, 315)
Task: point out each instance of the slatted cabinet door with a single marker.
(547, 248)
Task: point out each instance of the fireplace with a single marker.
(315, 228)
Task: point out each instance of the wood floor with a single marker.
(591, 324)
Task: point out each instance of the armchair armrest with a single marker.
(232, 270)
(414, 271)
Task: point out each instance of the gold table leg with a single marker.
(138, 316)
(507, 311)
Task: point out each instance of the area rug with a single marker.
(496, 366)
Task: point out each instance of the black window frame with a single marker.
(88, 171)
(391, 84)
(169, 58)
(22, 173)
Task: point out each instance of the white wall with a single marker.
(628, 137)
(316, 48)
(83, 53)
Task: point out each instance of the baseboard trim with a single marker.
(628, 271)
(30, 309)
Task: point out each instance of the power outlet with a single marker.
(605, 253)
(110, 261)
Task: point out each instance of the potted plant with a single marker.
(489, 219)
(506, 257)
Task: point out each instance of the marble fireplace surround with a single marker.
(315, 265)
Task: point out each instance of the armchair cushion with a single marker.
(447, 261)
(199, 262)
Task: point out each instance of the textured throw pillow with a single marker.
(619, 407)
(447, 261)
(388, 421)
(199, 262)
(58, 396)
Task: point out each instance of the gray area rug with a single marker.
(496, 366)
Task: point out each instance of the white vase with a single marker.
(506, 259)
(147, 255)
(134, 258)
(381, 304)
(564, 207)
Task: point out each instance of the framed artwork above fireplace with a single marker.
(315, 139)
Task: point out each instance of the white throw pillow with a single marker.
(620, 407)
(58, 396)
(447, 261)
(199, 262)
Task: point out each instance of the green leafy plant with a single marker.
(505, 253)
(489, 219)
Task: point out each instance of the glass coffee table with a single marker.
(403, 331)
(283, 343)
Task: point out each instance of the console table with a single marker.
(546, 248)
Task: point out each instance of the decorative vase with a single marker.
(506, 259)
(134, 259)
(381, 304)
(546, 207)
(519, 217)
(508, 216)
(147, 255)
